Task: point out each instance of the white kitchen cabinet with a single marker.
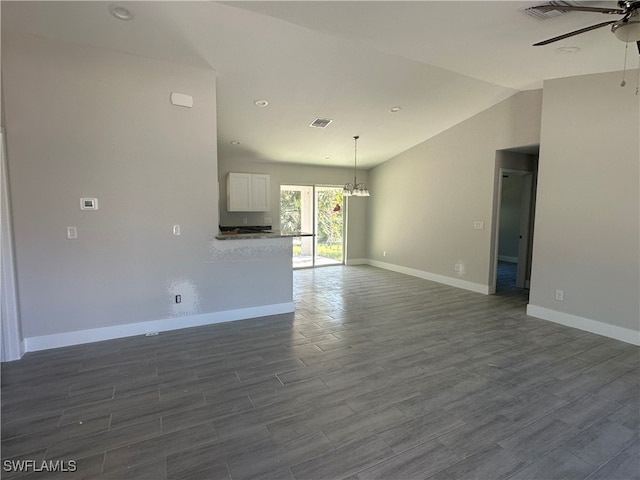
(248, 192)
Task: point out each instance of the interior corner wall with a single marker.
(425, 201)
(586, 239)
(90, 122)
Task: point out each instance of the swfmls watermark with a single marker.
(39, 466)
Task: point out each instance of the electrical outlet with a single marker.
(457, 267)
(176, 229)
(560, 295)
(72, 233)
(268, 220)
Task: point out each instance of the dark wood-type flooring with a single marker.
(376, 375)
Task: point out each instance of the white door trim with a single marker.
(523, 244)
(525, 230)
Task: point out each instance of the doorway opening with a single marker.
(318, 210)
(514, 207)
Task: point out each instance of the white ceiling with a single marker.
(442, 62)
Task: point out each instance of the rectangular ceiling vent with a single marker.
(320, 123)
(547, 14)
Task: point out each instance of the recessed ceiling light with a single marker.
(120, 12)
(260, 103)
(567, 50)
(234, 142)
(395, 109)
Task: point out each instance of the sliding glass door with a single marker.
(316, 210)
(296, 214)
(329, 226)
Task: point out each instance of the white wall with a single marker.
(428, 198)
(587, 239)
(90, 122)
(293, 174)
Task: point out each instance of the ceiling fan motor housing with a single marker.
(627, 5)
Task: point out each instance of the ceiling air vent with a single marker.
(545, 15)
(320, 123)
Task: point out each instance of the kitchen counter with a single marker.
(259, 235)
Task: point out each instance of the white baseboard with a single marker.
(56, 340)
(593, 326)
(505, 258)
(356, 261)
(453, 282)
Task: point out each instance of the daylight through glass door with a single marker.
(319, 211)
(329, 226)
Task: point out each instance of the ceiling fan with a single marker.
(626, 28)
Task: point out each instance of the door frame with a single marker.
(524, 243)
(526, 216)
(314, 220)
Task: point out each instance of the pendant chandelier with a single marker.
(355, 189)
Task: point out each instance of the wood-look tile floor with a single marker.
(376, 375)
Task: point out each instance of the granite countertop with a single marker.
(269, 234)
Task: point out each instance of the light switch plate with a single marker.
(176, 229)
(72, 233)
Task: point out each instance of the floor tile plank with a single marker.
(375, 375)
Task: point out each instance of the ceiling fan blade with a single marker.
(570, 8)
(575, 32)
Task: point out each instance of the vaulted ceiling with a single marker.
(350, 62)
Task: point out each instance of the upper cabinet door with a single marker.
(239, 192)
(248, 192)
(260, 191)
